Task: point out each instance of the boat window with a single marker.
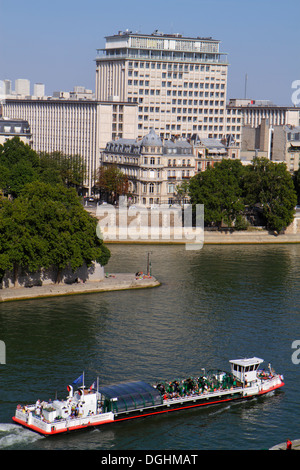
(130, 396)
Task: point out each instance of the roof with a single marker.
(14, 126)
(177, 144)
(160, 34)
(247, 361)
(152, 139)
(131, 395)
(212, 143)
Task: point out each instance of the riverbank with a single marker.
(249, 237)
(113, 282)
(219, 238)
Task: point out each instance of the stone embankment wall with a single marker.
(114, 232)
(48, 277)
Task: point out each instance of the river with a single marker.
(213, 305)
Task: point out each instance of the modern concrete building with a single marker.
(280, 143)
(39, 90)
(246, 112)
(74, 127)
(179, 83)
(22, 87)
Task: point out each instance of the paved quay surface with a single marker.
(116, 281)
(282, 445)
(249, 237)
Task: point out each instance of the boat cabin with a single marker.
(245, 370)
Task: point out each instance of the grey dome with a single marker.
(152, 139)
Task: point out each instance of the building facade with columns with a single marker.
(74, 127)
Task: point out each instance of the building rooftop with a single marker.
(152, 139)
(14, 126)
(160, 34)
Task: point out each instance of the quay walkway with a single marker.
(112, 282)
(282, 445)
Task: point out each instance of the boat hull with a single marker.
(178, 404)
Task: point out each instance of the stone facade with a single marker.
(10, 128)
(154, 167)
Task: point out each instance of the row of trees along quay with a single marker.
(235, 196)
(43, 223)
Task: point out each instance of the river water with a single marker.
(213, 305)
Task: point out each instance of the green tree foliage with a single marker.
(270, 186)
(46, 226)
(18, 166)
(182, 191)
(219, 188)
(228, 187)
(57, 167)
(43, 223)
(112, 182)
(296, 180)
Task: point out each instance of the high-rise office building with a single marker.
(22, 87)
(179, 83)
(39, 90)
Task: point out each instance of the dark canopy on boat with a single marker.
(130, 396)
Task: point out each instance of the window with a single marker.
(171, 188)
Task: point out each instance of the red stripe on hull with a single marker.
(262, 392)
(65, 430)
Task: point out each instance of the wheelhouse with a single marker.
(245, 370)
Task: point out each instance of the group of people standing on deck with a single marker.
(198, 385)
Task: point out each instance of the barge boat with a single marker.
(95, 406)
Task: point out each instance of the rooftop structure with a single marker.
(10, 128)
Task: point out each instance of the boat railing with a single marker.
(206, 394)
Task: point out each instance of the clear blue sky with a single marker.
(55, 42)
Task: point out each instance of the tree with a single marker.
(19, 165)
(219, 188)
(296, 180)
(46, 226)
(182, 191)
(112, 181)
(20, 246)
(270, 186)
(68, 169)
